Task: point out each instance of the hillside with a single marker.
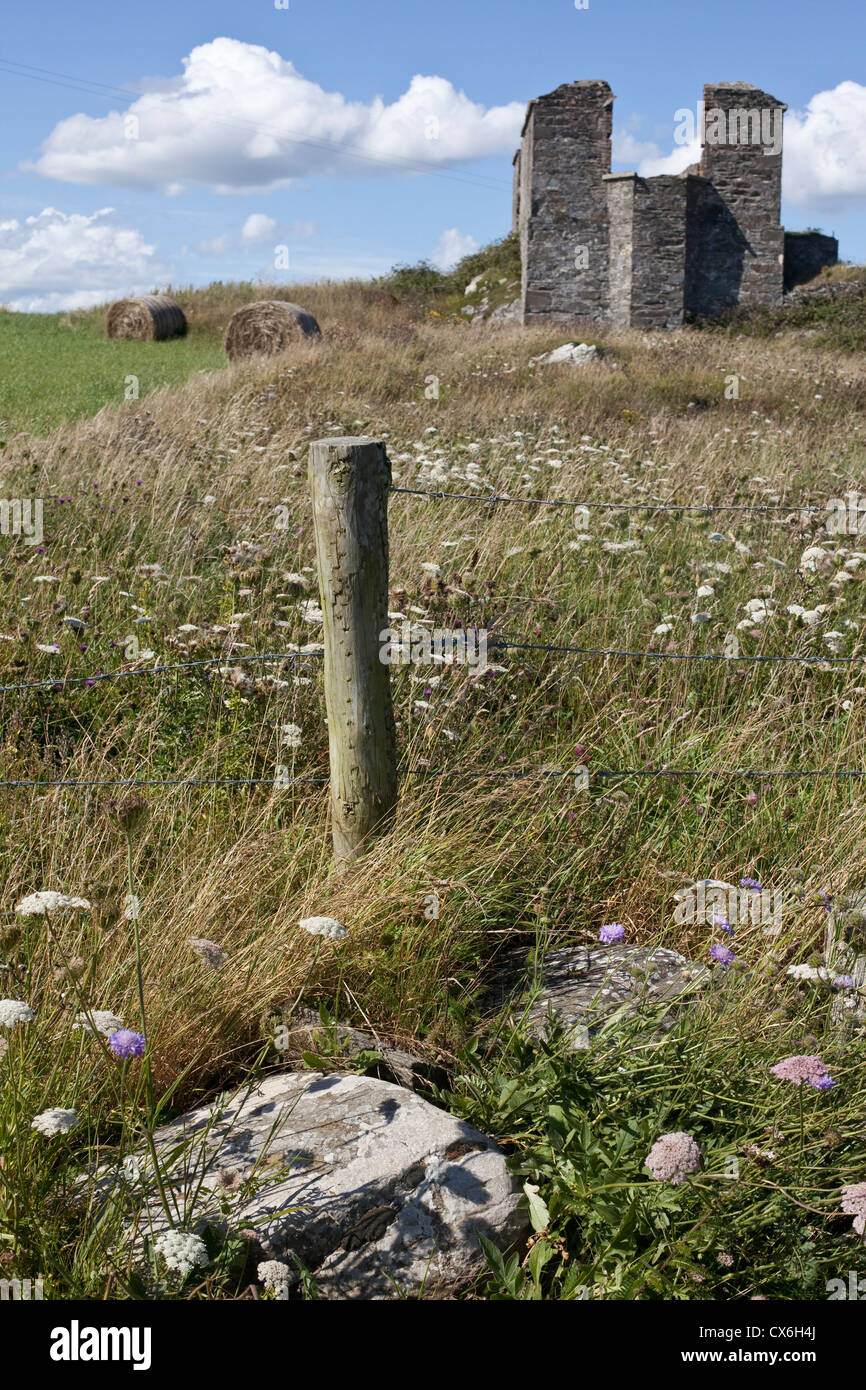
(178, 531)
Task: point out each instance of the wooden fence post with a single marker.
(349, 481)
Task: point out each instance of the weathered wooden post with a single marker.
(349, 482)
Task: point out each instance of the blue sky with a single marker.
(307, 127)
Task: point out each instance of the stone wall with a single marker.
(742, 127)
(805, 254)
(716, 251)
(620, 210)
(563, 202)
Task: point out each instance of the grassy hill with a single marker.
(165, 545)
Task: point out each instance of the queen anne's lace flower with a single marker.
(324, 926)
(274, 1275)
(182, 1251)
(13, 1011)
(55, 1121)
(37, 904)
(854, 1204)
(95, 1021)
(673, 1158)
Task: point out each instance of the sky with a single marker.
(143, 145)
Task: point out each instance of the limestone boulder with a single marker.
(377, 1192)
(586, 987)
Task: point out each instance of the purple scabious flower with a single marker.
(611, 932)
(125, 1043)
(723, 923)
(673, 1158)
(806, 1067)
(844, 982)
(723, 954)
(751, 883)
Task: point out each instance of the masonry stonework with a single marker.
(653, 252)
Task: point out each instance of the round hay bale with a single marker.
(150, 317)
(268, 327)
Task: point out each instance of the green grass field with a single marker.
(58, 367)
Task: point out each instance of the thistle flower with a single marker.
(274, 1275)
(182, 1251)
(13, 1011)
(611, 932)
(324, 926)
(208, 951)
(803, 1067)
(96, 1021)
(55, 1121)
(673, 1158)
(854, 1204)
(125, 1043)
(38, 904)
(723, 954)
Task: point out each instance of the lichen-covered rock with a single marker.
(585, 987)
(378, 1193)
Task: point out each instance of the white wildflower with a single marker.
(13, 1011)
(808, 972)
(55, 1121)
(324, 926)
(37, 904)
(182, 1251)
(815, 557)
(291, 735)
(131, 908)
(96, 1021)
(274, 1275)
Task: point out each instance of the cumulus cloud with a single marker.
(242, 118)
(451, 247)
(824, 163)
(258, 227)
(825, 149)
(59, 260)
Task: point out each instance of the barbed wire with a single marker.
(495, 644)
(457, 774)
(702, 507)
(505, 644)
(53, 682)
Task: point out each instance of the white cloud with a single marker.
(674, 163)
(824, 158)
(451, 247)
(242, 118)
(258, 227)
(58, 261)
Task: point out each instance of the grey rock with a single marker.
(572, 354)
(507, 313)
(377, 1192)
(586, 987)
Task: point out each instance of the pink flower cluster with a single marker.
(803, 1067)
(673, 1158)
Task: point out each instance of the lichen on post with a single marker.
(350, 480)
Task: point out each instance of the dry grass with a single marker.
(241, 866)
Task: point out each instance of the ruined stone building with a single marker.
(651, 252)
